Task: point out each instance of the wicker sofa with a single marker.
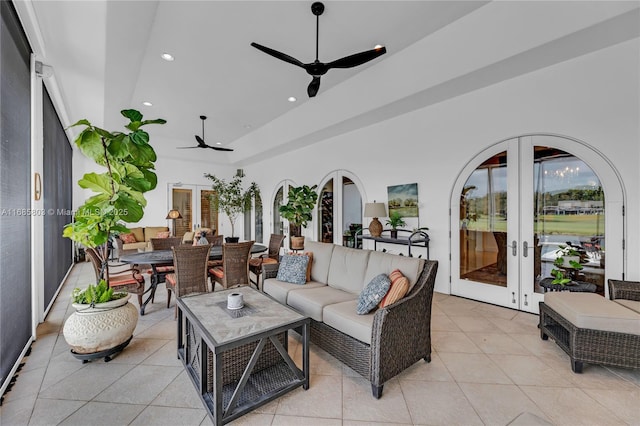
(378, 345)
(592, 329)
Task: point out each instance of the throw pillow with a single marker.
(372, 294)
(293, 269)
(309, 264)
(163, 234)
(128, 238)
(399, 288)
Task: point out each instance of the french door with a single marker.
(280, 225)
(516, 203)
(195, 205)
(339, 208)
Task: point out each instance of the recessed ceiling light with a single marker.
(218, 143)
(147, 103)
(247, 126)
(291, 99)
(167, 57)
(378, 46)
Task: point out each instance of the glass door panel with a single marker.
(182, 200)
(325, 212)
(194, 202)
(208, 214)
(278, 222)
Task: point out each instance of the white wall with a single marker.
(593, 98)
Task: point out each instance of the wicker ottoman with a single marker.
(592, 329)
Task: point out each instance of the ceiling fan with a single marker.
(317, 68)
(201, 143)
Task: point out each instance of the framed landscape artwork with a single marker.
(403, 199)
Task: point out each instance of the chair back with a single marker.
(190, 264)
(165, 243)
(235, 263)
(96, 262)
(275, 242)
(216, 240)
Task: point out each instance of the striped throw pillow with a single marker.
(398, 289)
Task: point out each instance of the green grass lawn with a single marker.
(580, 225)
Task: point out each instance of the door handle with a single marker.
(525, 249)
(514, 248)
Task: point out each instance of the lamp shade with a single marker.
(375, 210)
(174, 214)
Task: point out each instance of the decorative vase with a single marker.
(296, 243)
(394, 233)
(231, 239)
(100, 328)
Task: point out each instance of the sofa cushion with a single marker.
(591, 311)
(398, 289)
(634, 305)
(347, 269)
(342, 316)
(321, 259)
(279, 289)
(293, 269)
(309, 264)
(152, 232)
(128, 238)
(372, 294)
(138, 232)
(135, 246)
(311, 301)
(163, 234)
(385, 263)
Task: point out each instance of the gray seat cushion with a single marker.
(385, 263)
(343, 317)
(311, 301)
(280, 289)
(594, 312)
(347, 269)
(634, 305)
(321, 259)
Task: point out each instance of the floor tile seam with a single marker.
(413, 421)
(556, 421)
(614, 372)
(473, 407)
(70, 414)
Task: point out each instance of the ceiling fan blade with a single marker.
(278, 55)
(219, 148)
(312, 90)
(200, 141)
(357, 59)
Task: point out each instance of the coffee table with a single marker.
(238, 359)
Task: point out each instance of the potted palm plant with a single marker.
(299, 211)
(104, 321)
(395, 221)
(231, 199)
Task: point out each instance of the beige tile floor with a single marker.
(488, 367)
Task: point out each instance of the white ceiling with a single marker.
(106, 57)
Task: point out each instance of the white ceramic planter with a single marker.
(102, 327)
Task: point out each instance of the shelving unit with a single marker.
(410, 238)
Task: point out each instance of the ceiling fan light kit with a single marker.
(316, 68)
(201, 143)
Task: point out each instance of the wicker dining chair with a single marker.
(163, 244)
(216, 240)
(121, 277)
(190, 276)
(234, 271)
(271, 257)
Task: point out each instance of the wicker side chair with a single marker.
(234, 271)
(272, 256)
(190, 263)
(121, 277)
(629, 290)
(165, 243)
(216, 240)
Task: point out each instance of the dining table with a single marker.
(159, 258)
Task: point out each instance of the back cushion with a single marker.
(384, 263)
(321, 260)
(152, 231)
(347, 269)
(139, 234)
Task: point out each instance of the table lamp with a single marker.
(375, 210)
(173, 215)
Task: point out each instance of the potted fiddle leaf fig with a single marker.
(299, 211)
(104, 320)
(231, 199)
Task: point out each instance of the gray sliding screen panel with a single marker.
(15, 191)
(56, 190)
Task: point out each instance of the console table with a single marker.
(417, 238)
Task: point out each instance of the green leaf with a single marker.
(151, 177)
(83, 122)
(97, 183)
(90, 144)
(128, 209)
(132, 114)
(139, 137)
(141, 185)
(136, 195)
(156, 121)
(133, 126)
(117, 148)
(103, 133)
